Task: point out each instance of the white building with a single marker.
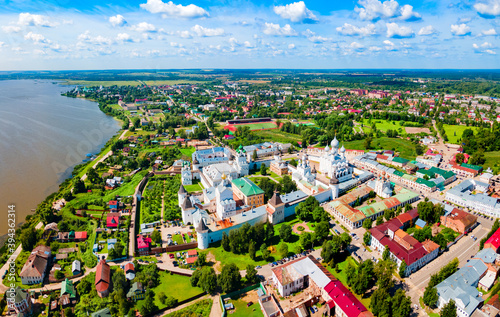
(225, 204)
(334, 164)
(214, 155)
(463, 195)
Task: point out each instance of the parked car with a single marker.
(171, 255)
(249, 304)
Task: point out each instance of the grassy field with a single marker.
(187, 151)
(196, 187)
(404, 147)
(382, 125)
(258, 126)
(278, 136)
(173, 285)
(172, 82)
(104, 83)
(492, 159)
(241, 309)
(198, 309)
(451, 130)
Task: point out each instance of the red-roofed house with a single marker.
(191, 260)
(346, 304)
(102, 279)
(192, 253)
(80, 235)
(113, 220)
(143, 244)
(494, 241)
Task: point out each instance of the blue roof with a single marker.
(420, 223)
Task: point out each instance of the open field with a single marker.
(412, 130)
(382, 125)
(492, 159)
(240, 305)
(405, 147)
(278, 136)
(451, 130)
(104, 83)
(252, 126)
(187, 151)
(172, 82)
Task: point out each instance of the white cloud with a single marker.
(11, 29)
(488, 9)
(460, 29)
(387, 42)
(247, 44)
(275, 29)
(396, 31)
(184, 34)
(202, 31)
(124, 37)
(171, 9)
(35, 20)
(375, 9)
(311, 36)
(491, 52)
(36, 38)
(291, 46)
(486, 47)
(144, 27)
(488, 32)
(97, 40)
(356, 45)
(374, 49)
(352, 30)
(117, 20)
(295, 12)
(427, 30)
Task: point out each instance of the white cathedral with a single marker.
(334, 164)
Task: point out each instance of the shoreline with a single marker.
(3, 238)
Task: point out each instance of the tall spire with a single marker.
(275, 200)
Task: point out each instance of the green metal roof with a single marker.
(425, 182)
(426, 172)
(472, 167)
(247, 187)
(68, 288)
(446, 174)
(399, 173)
(401, 160)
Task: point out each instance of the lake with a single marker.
(43, 135)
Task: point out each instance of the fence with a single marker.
(237, 294)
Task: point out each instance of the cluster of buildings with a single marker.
(473, 194)
(315, 283)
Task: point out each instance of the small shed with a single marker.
(420, 224)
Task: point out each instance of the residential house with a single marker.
(33, 271)
(76, 267)
(102, 313)
(143, 244)
(22, 302)
(493, 242)
(129, 270)
(136, 292)
(67, 288)
(113, 220)
(459, 220)
(103, 279)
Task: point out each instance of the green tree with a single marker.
(368, 143)
(322, 230)
(449, 310)
(402, 269)
(254, 155)
(380, 220)
(156, 236)
(350, 273)
(269, 231)
(251, 274)
(225, 242)
(306, 240)
(229, 279)
(149, 305)
(401, 304)
(201, 260)
(283, 250)
(28, 239)
(208, 280)
(386, 254)
(58, 274)
(367, 224)
(286, 232)
(79, 186)
(251, 250)
(367, 238)
(430, 296)
(263, 169)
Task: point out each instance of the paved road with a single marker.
(463, 250)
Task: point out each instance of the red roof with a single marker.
(143, 242)
(129, 267)
(494, 240)
(191, 260)
(82, 235)
(112, 220)
(192, 252)
(113, 202)
(102, 276)
(344, 299)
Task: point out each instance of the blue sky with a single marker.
(156, 34)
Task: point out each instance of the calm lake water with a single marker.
(43, 135)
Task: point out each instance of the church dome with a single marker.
(223, 176)
(342, 149)
(335, 143)
(327, 148)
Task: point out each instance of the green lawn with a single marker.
(187, 151)
(278, 136)
(404, 147)
(196, 187)
(241, 309)
(199, 309)
(177, 238)
(451, 130)
(492, 159)
(173, 285)
(258, 126)
(383, 125)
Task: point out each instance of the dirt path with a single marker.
(217, 265)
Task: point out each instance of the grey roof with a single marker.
(186, 204)
(488, 255)
(21, 294)
(182, 190)
(75, 266)
(293, 196)
(308, 267)
(461, 286)
(202, 227)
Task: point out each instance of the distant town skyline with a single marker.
(156, 34)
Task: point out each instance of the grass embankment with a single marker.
(404, 147)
